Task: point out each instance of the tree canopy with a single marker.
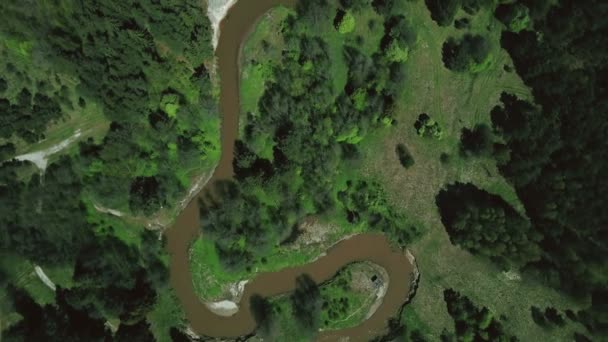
(558, 153)
(486, 225)
(471, 53)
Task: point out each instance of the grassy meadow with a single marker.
(454, 100)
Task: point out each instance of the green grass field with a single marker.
(455, 101)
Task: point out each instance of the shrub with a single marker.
(443, 11)
(345, 22)
(404, 155)
(427, 127)
(470, 54)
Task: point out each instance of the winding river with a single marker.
(371, 247)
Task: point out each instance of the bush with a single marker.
(405, 157)
(443, 11)
(398, 39)
(470, 54)
(538, 316)
(345, 22)
(427, 127)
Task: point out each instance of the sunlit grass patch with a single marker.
(454, 100)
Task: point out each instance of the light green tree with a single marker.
(346, 24)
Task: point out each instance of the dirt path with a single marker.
(41, 158)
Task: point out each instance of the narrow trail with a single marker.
(41, 158)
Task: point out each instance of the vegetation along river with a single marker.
(371, 247)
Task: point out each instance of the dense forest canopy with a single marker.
(145, 68)
(144, 65)
(554, 152)
(155, 90)
(564, 147)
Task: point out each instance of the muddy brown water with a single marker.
(371, 247)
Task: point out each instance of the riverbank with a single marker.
(373, 248)
(216, 12)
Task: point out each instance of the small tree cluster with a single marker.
(262, 312)
(355, 5)
(443, 11)
(306, 301)
(398, 39)
(427, 127)
(469, 54)
(344, 22)
(472, 323)
(550, 316)
(486, 225)
(404, 155)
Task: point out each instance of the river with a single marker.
(372, 247)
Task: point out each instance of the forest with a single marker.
(146, 68)
(291, 173)
(144, 64)
(552, 152)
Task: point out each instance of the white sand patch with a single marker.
(237, 289)
(40, 158)
(216, 11)
(230, 306)
(224, 308)
(190, 332)
(44, 278)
